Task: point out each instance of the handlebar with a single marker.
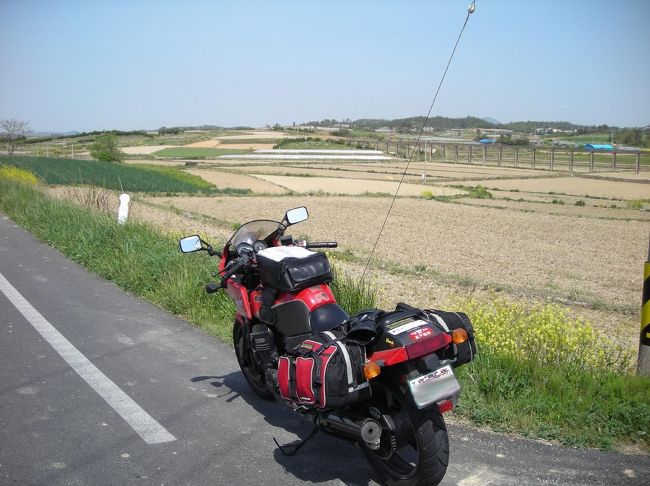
(315, 244)
(321, 244)
(236, 267)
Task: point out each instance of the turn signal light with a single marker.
(371, 369)
(459, 336)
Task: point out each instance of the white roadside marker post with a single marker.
(123, 211)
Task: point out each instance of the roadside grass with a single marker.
(538, 373)
(561, 403)
(138, 258)
(197, 152)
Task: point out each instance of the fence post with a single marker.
(444, 153)
(552, 159)
(643, 362)
(571, 161)
(591, 161)
(469, 154)
(637, 167)
(456, 154)
(484, 154)
(532, 165)
(516, 156)
(500, 155)
(614, 160)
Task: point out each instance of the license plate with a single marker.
(437, 385)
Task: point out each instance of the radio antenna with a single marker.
(470, 11)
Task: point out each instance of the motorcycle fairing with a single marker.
(239, 294)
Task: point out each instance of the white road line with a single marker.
(145, 425)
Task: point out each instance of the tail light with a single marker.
(427, 346)
(445, 406)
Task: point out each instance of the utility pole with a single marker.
(643, 363)
(424, 176)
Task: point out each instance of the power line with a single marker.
(470, 11)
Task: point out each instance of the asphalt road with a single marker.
(56, 428)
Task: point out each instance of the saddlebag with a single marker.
(466, 351)
(323, 371)
(292, 268)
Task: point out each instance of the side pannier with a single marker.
(323, 371)
(449, 321)
(292, 268)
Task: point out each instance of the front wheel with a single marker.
(253, 373)
(418, 453)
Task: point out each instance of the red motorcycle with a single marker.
(394, 376)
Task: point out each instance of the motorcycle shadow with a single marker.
(323, 458)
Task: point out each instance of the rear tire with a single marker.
(253, 373)
(424, 459)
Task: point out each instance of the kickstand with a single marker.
(293, 448)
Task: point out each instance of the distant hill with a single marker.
(491, 120)
(442, 123)
(53, 134)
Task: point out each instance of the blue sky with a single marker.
(90, 65)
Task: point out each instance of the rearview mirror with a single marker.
(296, 215)
(190, 244)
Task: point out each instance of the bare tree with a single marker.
(15, 129)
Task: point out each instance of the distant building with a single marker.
(495, 131)
(598, 146)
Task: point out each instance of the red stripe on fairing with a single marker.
(313, 297)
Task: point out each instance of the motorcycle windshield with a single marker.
(253, 231)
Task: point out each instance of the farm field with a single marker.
(576, 186)
(224, 180)
(210, 139)
(456, 248)
(333, 185)
(374, 169)
(144, 149)
(109, 175)
(196, 152)
(534, 238)
(591, 209)
(641, 176)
